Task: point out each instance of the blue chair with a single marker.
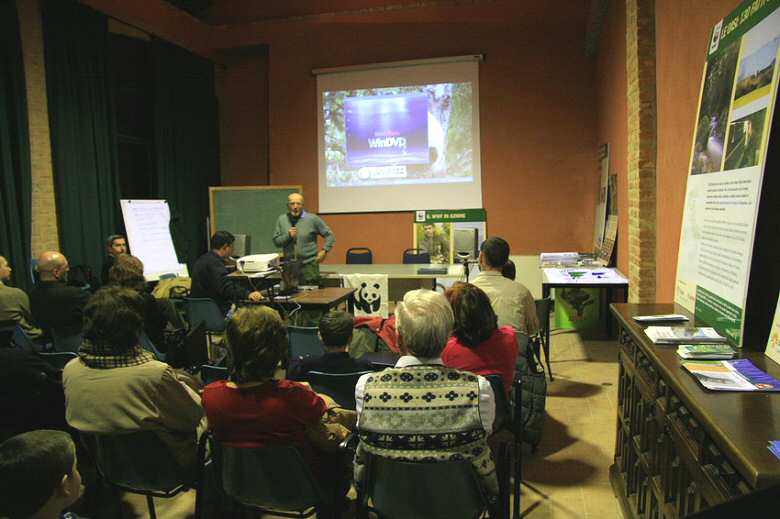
(209, 373)
(148, 345)
(304, 342)
(21, 340)
(416, 257)
(339, 386)
(58, 359)
(359, 256)
(66, 342)
(202, 310)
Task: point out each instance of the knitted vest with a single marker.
(425, 413)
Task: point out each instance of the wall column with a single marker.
(45, 234)
(641, 106)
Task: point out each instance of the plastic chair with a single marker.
(65, 342)
(416, 257)
(359, 256)
(139, 463)
(272, 480)
(543, 308)
(339, 386)
(148, 345)
(209, 373)
(304, 342)
(204, 310)
(58, 359)
(452, 489)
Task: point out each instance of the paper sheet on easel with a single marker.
(148, 233)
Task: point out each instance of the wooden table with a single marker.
(681, 448)
(324, 298)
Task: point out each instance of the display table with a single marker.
(681, 448)
(401, 277)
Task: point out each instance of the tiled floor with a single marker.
(568, 476)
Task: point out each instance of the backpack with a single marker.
(534, 394)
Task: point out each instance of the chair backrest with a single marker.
(209, 373)
(137, 462)
(543, 308)
(339, 386)
(416, 256)
(503, 411)
(267, 478)
(148, 345)
(452, 489)
(58, 359)
(359, 256)
(67, 342)
(21, 340)
(304, 341)
(206, 311)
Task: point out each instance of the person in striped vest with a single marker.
(421, 410)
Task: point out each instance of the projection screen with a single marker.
(399, 136)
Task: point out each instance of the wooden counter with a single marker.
(681, 448)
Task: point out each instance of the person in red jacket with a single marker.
(478, 344)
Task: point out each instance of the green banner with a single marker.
(451, 215)
(724, 316)
(741, 20)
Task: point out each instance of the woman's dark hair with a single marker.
(257, 340)
(113, 318)
(127, 271)
(509, 271)
(475, 320)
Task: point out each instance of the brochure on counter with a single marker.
(659, 318)
(705, 351)
(731, 375)
(585, 276)
(682, 335)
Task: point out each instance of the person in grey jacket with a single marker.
(296, 234)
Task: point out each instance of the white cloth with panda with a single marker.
(370, 293)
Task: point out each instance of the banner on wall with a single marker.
(736, 104)
(450, 235)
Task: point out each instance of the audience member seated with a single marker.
(117, 387)
(38, 476)
(116, 245)
(252, 409)
(14, 303)
(421, 410)
(128, 272)
(210, 276)
(478, 344)
(512, 301)
(335, 333)
(54, 304)
(31, 394)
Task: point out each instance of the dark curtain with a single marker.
(82, 129)
(186, 143)
(15, 173)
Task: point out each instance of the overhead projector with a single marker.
(258, 262)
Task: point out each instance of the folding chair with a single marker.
(58, 359)
(273, 480)
(204, 310)
(452, 489)
(304, 342)
(359, 256)
(66, 342)
(209, 373)
(139, 463)
(416, 256)
(339, 386)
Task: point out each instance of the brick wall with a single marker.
(641, 107)
(45, 235)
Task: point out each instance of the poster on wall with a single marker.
(736, 103)
(601, 203)
(451, 236)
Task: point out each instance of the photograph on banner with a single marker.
(737, 99)
(435, 239)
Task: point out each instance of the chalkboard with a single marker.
(250, 210)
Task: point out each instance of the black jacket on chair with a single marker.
(57, 306)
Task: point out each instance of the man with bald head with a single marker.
(55, 305)
(296, 234)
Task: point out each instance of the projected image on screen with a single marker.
(400, 135)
